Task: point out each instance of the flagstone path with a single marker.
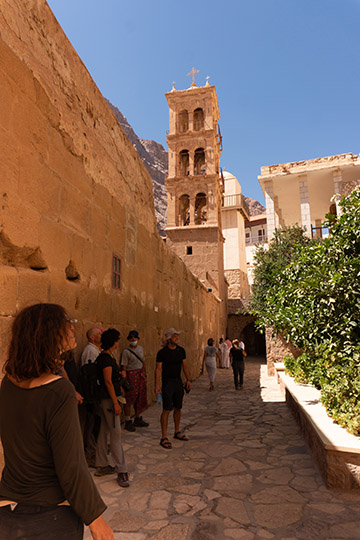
(245, 474)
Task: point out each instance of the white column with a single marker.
(270, 209)
(337, 178)
(305, 205)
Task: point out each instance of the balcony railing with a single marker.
(236, 201)
(255, 239)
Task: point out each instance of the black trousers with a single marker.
(40, 523)
(238, 369)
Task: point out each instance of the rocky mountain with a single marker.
(255, 208)
(155, 159)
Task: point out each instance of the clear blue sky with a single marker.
(286, 71)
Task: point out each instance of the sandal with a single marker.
(180, 436)
(165, 443)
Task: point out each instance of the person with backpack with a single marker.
(111, 380)
(133, 361)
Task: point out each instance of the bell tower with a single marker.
(194, 184)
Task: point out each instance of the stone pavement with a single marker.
(245, 473)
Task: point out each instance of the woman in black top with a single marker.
(237, 356)
(45, 475)
(110, 376)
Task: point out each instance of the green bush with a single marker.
(309, 291)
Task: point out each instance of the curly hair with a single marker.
(37, 335)
(109, 338)
(210, 342)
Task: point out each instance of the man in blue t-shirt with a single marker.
(169, 361)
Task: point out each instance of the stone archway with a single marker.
(255, 342)
(243, 327)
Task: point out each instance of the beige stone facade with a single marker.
(194, 187)
(234, 212)
(77, 223)
(255, 235)
(302, 192)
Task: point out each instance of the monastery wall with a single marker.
(73, 193)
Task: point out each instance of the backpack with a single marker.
(89, 385)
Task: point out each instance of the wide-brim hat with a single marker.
(169, 333)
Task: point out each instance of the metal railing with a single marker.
(255, 239)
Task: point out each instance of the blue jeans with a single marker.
(238, 369)
(40, 523)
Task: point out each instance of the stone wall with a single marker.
(238, 284)
(206, 261)
(73, 193)
(276, 349)
(348, 187)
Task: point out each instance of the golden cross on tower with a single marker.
(192, 74)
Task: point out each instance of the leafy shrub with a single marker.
(308, 290)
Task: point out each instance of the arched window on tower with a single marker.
(198, 119)
(199, 161)
(184, 210)
(184, 169)
(200, 209)
(183, 121)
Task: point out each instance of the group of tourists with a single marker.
(120, 386)
(226, 354)
(46, 490)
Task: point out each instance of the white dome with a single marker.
(231, 184)
(227, 174)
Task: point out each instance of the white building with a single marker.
(233, 215)
(302, 192)
(255, 234)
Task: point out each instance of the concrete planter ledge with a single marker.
(336, 451)
(279, 368)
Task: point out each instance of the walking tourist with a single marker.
(237, 356)
(169, 361)
(133, 361)
(110, 410)
(209, 359)
(228, 343)
(224, 354)
(45, 474)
